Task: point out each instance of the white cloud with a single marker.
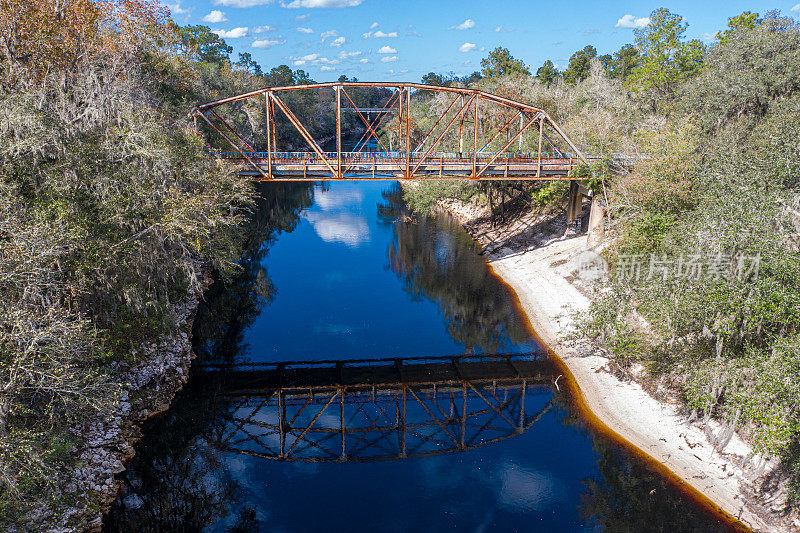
(241, 3)
(339, 41)
(312, 4)
(266, 43)
(313, 59)
(365, 60)
(215, 17)
(467, 24)
(373, 25)
(387, 50)
(379, 35)
(301, 17)
(326, 68)
(389, 59)
(629, 21)
(466, 47)
(499, 28)
(176, 9)
(796, 9)
(329, 33)
(349, 55)
(307, 31)
(235, 33)
(263, 29)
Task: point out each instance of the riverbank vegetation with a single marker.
(702, 236)
(109, 213)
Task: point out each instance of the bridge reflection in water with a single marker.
(376, 409)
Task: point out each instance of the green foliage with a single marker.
(423, 197)
(500, 62)
(747, 73)
(625, 61)
(578, 68)
(666, 60)
(547, 73)
(202, 43)
(745, 21)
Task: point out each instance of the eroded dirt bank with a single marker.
(545, 271)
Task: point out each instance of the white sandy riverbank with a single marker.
(542, 271)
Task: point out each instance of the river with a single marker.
(342, 272)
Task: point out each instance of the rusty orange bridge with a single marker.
(401, 131)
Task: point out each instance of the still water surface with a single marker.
(338, 272)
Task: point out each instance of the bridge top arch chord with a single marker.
(466, 134)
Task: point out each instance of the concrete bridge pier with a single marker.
(575, 208)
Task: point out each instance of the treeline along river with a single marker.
(421, 433)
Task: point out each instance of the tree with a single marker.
(745, 21)
(500, 62)
(625, 60)
(547, 73)
(280, 76)
(431, 78)
(201, 42)
(246, 61)
(578, 68)
(666, 60)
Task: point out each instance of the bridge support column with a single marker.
(596, 221)
(574, 208)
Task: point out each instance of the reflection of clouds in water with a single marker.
(345, 228)
(515, 487)
(524, 490)
(333, 329)
(338, 198)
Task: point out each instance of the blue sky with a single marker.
(385, 40)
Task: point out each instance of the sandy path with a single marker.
(539, 276)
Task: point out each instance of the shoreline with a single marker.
(542, 278)
(106, 446)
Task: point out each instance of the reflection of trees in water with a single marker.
(436, 259)
(231, 305)
(177, 482)
(626, 495)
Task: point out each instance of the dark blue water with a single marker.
(344, 272)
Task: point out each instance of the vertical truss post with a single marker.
(399, 116)
(408, 132)
(522, 405)
(274, 135)
(461, 131)
(475, 140)
(541, 132)
(339, 131)
(341, 423)
(269, 136)
(463, 413)
(404, 421)
(282, 422)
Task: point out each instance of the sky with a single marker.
(382, 40)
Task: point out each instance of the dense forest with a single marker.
(110, 212)
(702, 237)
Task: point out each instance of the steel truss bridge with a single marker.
(378, 409)
(485, 128)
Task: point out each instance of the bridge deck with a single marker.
(379, 373)
(304, 166)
